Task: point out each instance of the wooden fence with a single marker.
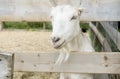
(6, 65)
(77, 62)
(108, 35)
(102, 63)
(39, 10)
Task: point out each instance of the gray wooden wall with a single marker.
(39, 10)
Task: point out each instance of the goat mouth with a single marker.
(59, 44)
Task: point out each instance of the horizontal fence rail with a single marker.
(77, 62)
(39, 10)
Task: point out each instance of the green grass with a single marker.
(84, 25)
(27, 25)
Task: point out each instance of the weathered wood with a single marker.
(77, 62)
(112, 32)
(44, 26)
(101, 76)
(105, 47)
(100, 37)
(1, 26)
(39, 10)
(6, 65)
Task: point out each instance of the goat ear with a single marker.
(80, 10)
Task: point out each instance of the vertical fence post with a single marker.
(44, 26)
(6, 65)
(1, 26)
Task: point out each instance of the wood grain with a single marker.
(39, 10)
(6, 65)
(78, 62)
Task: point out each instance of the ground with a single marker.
(26, 41)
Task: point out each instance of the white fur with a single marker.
(69, 31)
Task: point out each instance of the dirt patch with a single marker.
(35, 75)
(19, 41)
(25, 41)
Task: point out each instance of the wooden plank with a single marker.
(101, 76)
(1, 26)
(105, 45)
(77, 62)
(6, 65)
(100, 37)
(112, 32)
(39, 10)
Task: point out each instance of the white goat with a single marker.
(67, 37)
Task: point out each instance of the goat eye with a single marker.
(74, 17)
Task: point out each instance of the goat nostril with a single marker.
(55, 39)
